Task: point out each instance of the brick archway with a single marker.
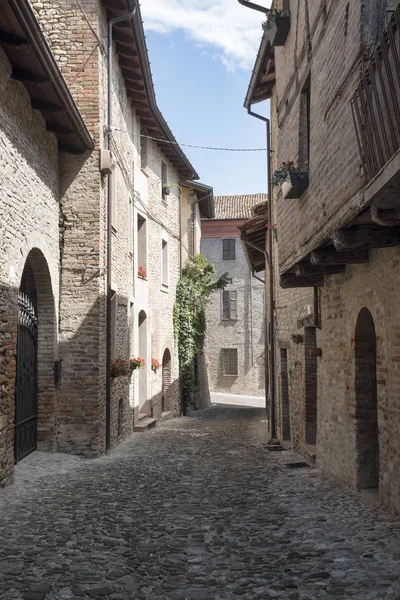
(166, 404)
(36, 291)
(366, 392)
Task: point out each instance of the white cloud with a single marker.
(230, 29)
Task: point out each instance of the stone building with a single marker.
(331, 72)
(235, 317)
(78, 221)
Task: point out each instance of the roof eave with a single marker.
(251, 96)
(138, 33)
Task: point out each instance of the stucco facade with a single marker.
(243, 330)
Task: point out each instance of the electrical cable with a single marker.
(204, 147)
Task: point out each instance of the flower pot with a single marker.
(279, 31)
(296, 186)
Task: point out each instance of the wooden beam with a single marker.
(136, 104)
(123, 37)
(305, 269)
(144, 114)
(364, 236)
(38, 104)
(127, 51)
(126, 62)
(11, 39)
(330, 256)
(131, 75)
(387, 217)
(290, 280)
(58, 129)
(28, 77)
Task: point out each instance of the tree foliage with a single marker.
(192, 294)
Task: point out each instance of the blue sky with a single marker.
(201, 73)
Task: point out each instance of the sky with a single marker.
(202, 53)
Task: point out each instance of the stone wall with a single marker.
(29, 213)
(246, 333)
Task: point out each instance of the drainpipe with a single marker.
(270, 263)
(110, 26)
(254, 6)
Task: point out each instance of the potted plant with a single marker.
(142, 273)
(278, 26)
(292, 179)
(155, 365)
(120, 367)
(136, 362)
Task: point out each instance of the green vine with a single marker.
(192, 295)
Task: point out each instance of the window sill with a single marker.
(225, 375)
(164, 288)
(227, 319)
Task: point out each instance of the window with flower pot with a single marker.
(305, 125)
(229, 305)
(229, 361)
(142, 246)
(229, 249)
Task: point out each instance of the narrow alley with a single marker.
(195, 509)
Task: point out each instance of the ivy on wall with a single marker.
(192, 294)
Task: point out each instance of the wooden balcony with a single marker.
(376, 111)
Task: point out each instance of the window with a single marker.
(164, 179)
(229, 305)
(228, 249)
(229, 361)
(143, 151)
(142, 243)
(164, 263)
(304, 134)
(114, 307)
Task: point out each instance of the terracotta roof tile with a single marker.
(237, 207)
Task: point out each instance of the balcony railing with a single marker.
(376, 102)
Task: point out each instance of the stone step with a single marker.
(167, 415)
(144, 424)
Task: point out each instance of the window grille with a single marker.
(228, 249)
(229, 361)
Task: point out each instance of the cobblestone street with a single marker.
(195, 509)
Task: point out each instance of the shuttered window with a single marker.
(229, 305)
(228, 249)
(229, 361)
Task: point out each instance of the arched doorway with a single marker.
(166, 382)
(367, 433)
(35, 414)
(142, 326)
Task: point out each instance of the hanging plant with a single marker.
(193, 290)
(136, 363)
(272, 15)
(142, 273)
(120, 367)
(155, 365)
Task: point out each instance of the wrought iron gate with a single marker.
(26, 379)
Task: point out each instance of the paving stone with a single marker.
(195, 509)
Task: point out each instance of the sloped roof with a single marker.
(237, 207)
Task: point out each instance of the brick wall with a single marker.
(337, 32)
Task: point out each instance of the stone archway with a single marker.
(166, 404)
(35, 423)
(142, 326)
(366, 413)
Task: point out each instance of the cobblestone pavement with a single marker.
(195, 509)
